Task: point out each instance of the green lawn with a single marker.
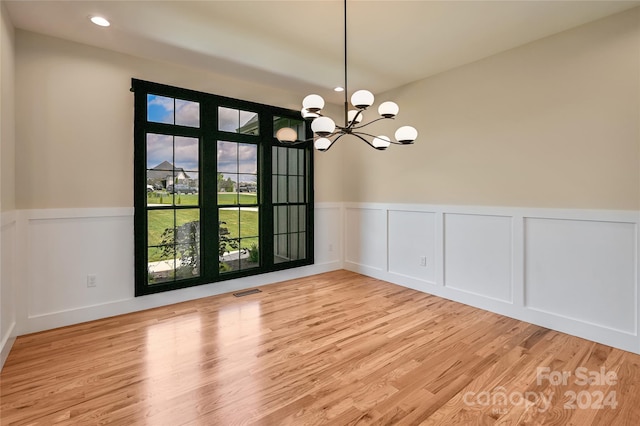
(159, 197)
(232, 198)
(242, 224)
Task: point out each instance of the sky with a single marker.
(233, 158)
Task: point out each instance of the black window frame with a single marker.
(209, 135)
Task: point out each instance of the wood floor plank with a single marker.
(337, 349)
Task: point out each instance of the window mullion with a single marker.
(209, 199)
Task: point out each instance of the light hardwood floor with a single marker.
(337, 348)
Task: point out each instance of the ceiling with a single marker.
(298, 45)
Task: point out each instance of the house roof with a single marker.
(164, 170)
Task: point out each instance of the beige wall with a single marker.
(7, 114)
(75, 121)
(554, 123)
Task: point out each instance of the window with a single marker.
(216, 195)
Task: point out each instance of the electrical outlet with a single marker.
(423, 260)
(92, 280)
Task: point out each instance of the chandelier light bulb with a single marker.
(354, 113)
(306, 114)
(362, 99)
(406, 135)
(313, 103)
(323, 126)
(287, 134)
(388, 109)
(322, 144)
(381, 142)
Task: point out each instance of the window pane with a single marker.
(274, 189)
(160, 225)
(248, 185)
(187, 261)
(247, 188)
(280, 219)
(280, 249)
(249, 123)
(186, 154)
(227, 157)
(159, 168)
(228, 119)
(160, 153)
(293, 161)
(160, 109)
(251, 253)
(227, 194)
(187, 226)
(302, 217)
(301, 168)
(186, 178)
(282, 189)
(302, 247)
(301, 191)
(249, 222)
(293, 219)
(282, 161)
(228, 239)
(247, 158)
(293, 189)
(184, 240)
(237, 121)
(158, 196)
(293, 246)
(274, 160)
(187, 113)
(161, 264)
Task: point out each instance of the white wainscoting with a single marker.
(412, 236)
(574, 271)
(61, 247)
(363, 247)
(7, 286)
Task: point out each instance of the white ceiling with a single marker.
(298, 45)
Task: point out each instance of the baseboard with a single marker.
(49, 320)
(7, 344)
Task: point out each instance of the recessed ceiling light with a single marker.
(99, 20)
(339, 89)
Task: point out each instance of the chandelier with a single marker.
(327, 132)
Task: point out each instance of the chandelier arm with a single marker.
(358, 135)
(351, 124)
(334, 141)
(371, 122)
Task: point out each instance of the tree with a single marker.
(186, 240)
(225, 185)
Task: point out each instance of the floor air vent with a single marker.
(247, 292)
